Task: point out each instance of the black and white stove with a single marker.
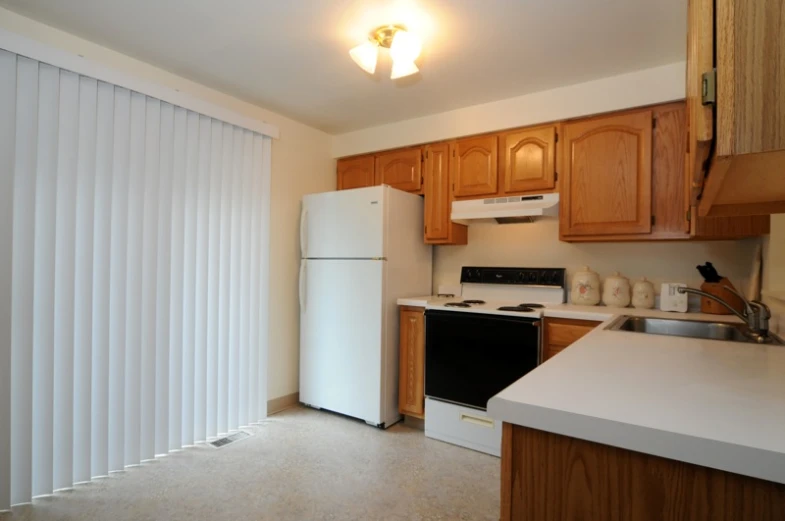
(478, 344)
(507, 291)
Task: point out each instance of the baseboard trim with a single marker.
(281, 403)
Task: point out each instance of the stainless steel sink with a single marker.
(689, 328)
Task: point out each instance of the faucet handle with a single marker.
(765, 310)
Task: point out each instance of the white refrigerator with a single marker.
(361, 250)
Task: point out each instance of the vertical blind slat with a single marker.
(213, 269)
(65, 235)
(202, 250)
(44, 280)
(176, 290)
(189, 280)
(223, 308)
(262, 152)
(234, 289)
(133, 289)
(149, 279)
(25, 169)
(244, 150)
(118, 281)
(83, 279)
(253, 304)
(7, 122)
(164, 226)
(104, 145)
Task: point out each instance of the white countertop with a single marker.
(711, 403)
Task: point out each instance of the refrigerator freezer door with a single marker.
(341, 337)
(348, 224)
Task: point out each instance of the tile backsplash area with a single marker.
(537, 245)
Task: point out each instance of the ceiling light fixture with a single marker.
(404, 47)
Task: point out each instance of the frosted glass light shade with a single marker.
(365, 56)
(403, 68)
(405, 47)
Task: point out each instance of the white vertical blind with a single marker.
(132, 278)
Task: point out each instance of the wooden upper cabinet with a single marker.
(473, 164)
(700, 117)
(439, 229)
(401, 169)
(356, 172)
(744, 42)
(606, 185)
(411, 383)
(528, 160)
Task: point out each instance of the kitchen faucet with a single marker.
(756, 313)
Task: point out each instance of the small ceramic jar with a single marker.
(585, 288)
(643, 294)
(616, 291)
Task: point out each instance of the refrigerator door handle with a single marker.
(303, 234)
(302, 286)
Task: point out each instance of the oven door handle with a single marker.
(480, 421)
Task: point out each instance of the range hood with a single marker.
(512, 209)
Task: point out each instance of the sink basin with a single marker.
(688, 328)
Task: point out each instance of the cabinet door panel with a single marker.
(411, 393)
(355, 172)
(437, 194)
(474, 166)
(528, 159)
(607, 178)
(400, 169)
(439, 229)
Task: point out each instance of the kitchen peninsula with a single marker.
(640, 427)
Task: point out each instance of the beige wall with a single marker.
(635, 89)
(537, 245)
(301, 164)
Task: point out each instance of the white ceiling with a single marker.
(291, 56)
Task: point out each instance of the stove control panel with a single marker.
(552, 277)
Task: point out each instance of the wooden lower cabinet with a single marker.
(549, 477)
(411, 383)
(560, 333)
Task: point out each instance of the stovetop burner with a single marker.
(519, 309)
(457, 305)
(528, 305)
(474, 302)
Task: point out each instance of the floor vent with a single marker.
(223, 442)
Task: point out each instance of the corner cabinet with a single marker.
(473, 166)
(401, 169)
(527, 160)
(438, 227)
(411, 384)
(356, 172)
(559, 333)
(606, 185)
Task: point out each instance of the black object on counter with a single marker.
(709, 272)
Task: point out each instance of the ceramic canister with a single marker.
(616, 291)
(585, 288)
(643, 294)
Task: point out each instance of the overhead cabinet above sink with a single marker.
(736, 104)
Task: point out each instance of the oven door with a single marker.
(470, 357)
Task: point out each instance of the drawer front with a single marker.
(464, 426)
(565, 334)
